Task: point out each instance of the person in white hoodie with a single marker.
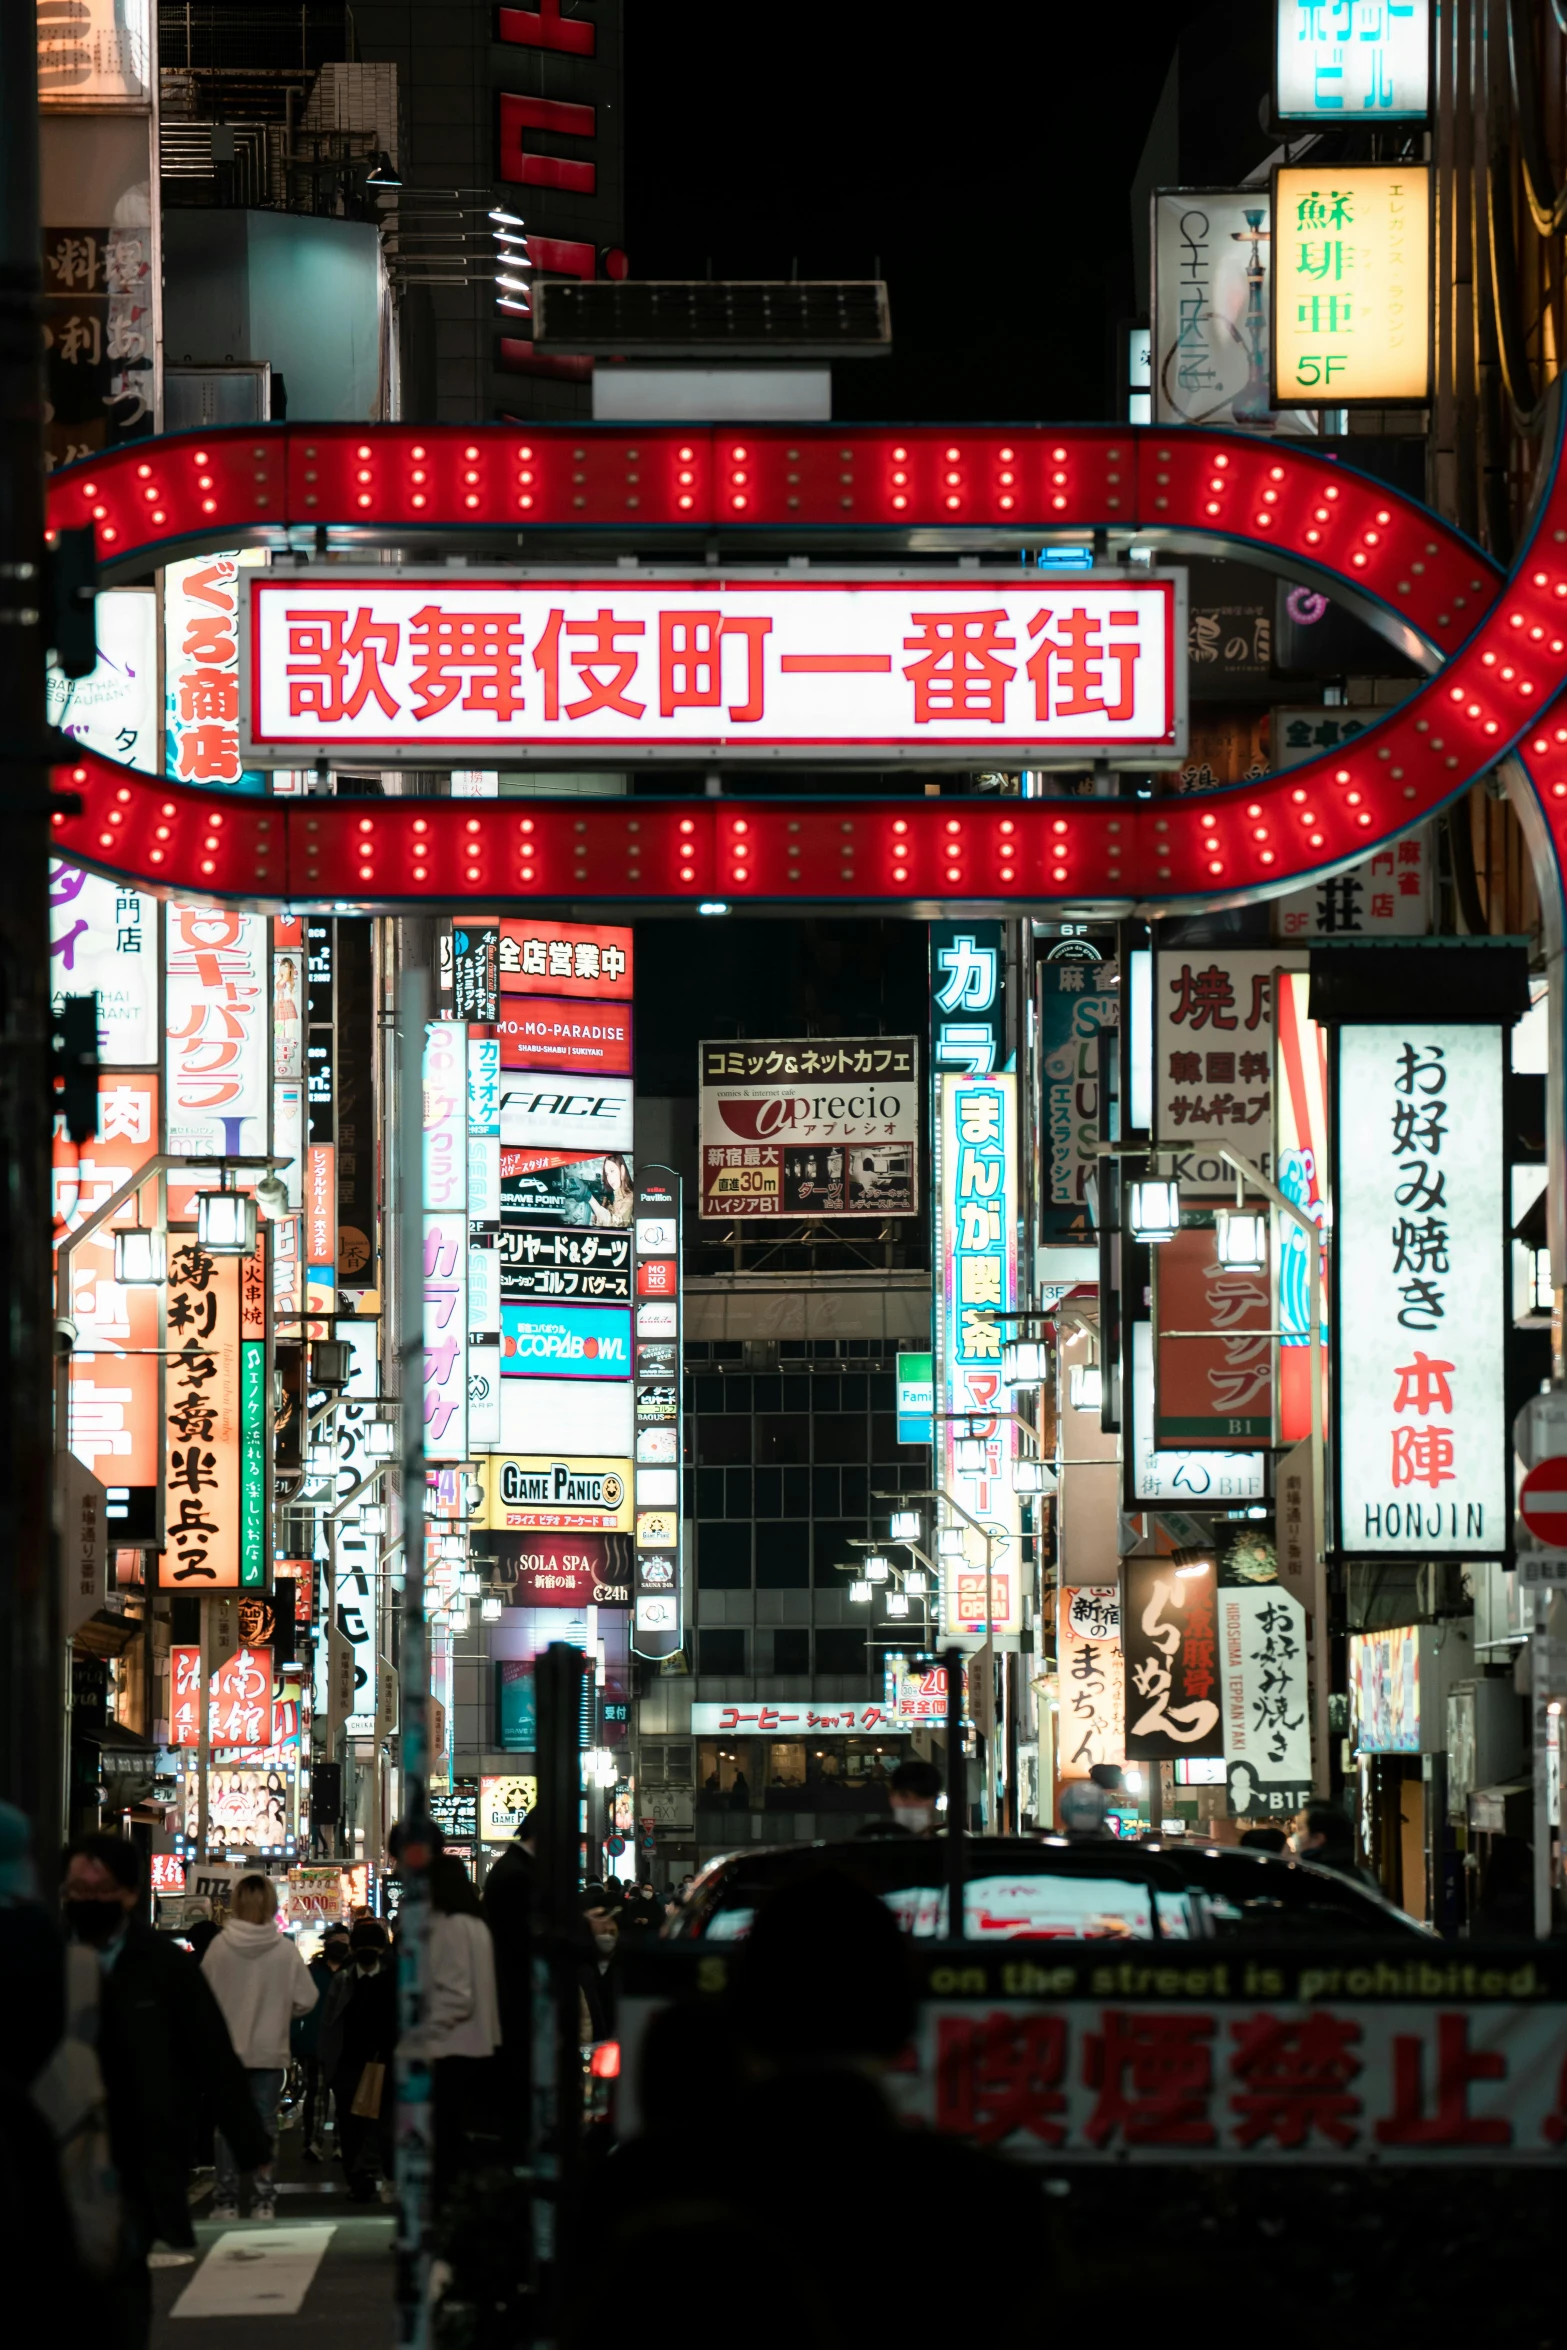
(261, 1983)
(462, 2026)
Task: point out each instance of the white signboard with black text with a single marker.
(1421, 1239)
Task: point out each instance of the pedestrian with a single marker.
(305, 2040)
(1328, 1839)
(462, 2028)
(508, 1912)
(358, 2041)
(162, 2042)
(600, 1911)
(1264, 1840)
(261, 1983)
(912, 1792)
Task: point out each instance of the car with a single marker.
(1048, 1888)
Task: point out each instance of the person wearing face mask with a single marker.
(601, 1921)
(912, 1791)
(162, 2042)
(305, 2040)
(358, 2031)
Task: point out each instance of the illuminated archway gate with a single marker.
(1498, 649)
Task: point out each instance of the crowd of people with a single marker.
(150, 2071)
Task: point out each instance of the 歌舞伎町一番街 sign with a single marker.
(884, 666)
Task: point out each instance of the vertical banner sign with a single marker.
(1342, 66)
(1074, 1004)
(1169, 1636)
(977, 1192)
(203, 1424)
(476, 972)
(103, 941)
(1091, 1677)
(1420, 1246)
(1213, 1364)
(354, 1165)
(1267, 1711)
(1351, 290)
(968, 1017)
(446, 1241)
(484, 1216)
(217, 994)
(1212, 313)
(320, 1227)
(255, 1452)
(201, 671)
(1300, 1164)
(114, 1401)
(656, 1626)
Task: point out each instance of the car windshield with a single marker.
(1017, 1906)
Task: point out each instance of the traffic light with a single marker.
(74, 1066)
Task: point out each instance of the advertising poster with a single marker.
(554, 1187)
(1422, 1446)
(814, 1126)
(1384, 1676)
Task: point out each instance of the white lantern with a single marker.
(226, 1223)
(905, 1525)
(1086, 1387)
(141, 1258)
(1243, 1239)
(1155, 1209)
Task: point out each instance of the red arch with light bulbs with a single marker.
(1501, 644)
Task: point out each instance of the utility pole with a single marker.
(32, 1661)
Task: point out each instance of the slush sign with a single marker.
(565, 1342)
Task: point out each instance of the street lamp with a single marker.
(906, 1525)
(1156, 1209)
(1033, 1477)
(878, 1569)
(226, 1220)
(141, 1258)
(950, 1542)
(1024, 1361)
(1085, 1387)
(897, 1603)
(971, 1454)
(860, 1593)
(380, 1440)
(1243, 1244)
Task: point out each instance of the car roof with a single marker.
(1175, 1864)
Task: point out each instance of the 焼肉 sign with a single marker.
(885, 666)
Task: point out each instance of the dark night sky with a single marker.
(983, 153)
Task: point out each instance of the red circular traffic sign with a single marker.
(1542, 1503)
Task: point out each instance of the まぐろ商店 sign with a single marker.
(881, 666)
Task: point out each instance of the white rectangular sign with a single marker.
(1213, 1046)
(1421, 1235)
(1342, 62)
(578, 1116)
(566, 1415)
(1212, 259)
(103, 941)
(1266, 1702)
(884, 666)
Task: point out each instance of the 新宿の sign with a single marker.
(881, 666)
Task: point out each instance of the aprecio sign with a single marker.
(810, 1126)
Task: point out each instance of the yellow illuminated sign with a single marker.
(1351, 284)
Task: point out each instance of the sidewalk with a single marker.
(325, 2264)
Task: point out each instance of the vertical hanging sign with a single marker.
(977, 1191)
(484, 1216)
(203, 1423)
(1420, 1225)
(254, 1450)
(656, 1628)
(446, 1241)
